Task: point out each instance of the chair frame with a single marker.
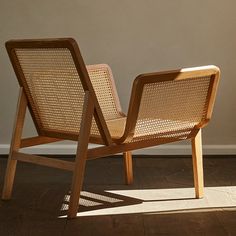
(91, 108)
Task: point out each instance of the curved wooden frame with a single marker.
(174, 75)
(91, 108)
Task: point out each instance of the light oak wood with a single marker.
(104, 151)
(44, 161)
(81, 155)
(128, 166)
(143, 127)
(38, 140)
(198, 165)
(15, 145)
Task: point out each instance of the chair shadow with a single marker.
(97, 200)
(100, 200)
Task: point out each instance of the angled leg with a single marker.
(197, 164)
(81, 155)
(128, 165)
(15, 145)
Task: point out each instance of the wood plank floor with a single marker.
(160, 202)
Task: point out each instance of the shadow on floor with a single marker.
(160, 202)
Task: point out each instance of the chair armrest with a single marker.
(171, 101)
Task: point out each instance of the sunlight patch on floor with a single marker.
(164, 200)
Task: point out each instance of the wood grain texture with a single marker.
(81, 155)
(15, 145)
(44, 161)
(128, 166)
(38, 140)
(198, 165)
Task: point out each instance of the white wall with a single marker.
(133, 37)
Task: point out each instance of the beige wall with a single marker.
(133, 37)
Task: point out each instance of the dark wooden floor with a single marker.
(40, 195)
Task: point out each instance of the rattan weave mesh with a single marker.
(102, 81)
(103, 84)
(56, 93)
(171, 108)
(54, 88)
(167, 109)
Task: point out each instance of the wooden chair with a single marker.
(69, 101)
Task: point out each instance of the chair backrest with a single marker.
(54, 78)
(105, 89)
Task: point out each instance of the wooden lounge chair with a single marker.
(69, 101)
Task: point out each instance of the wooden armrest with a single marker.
(164, 101)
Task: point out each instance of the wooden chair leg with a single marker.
(198, 165)
(128, 166)
(81, 156)
(77, 182)
(15, 145)
(9, 178)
